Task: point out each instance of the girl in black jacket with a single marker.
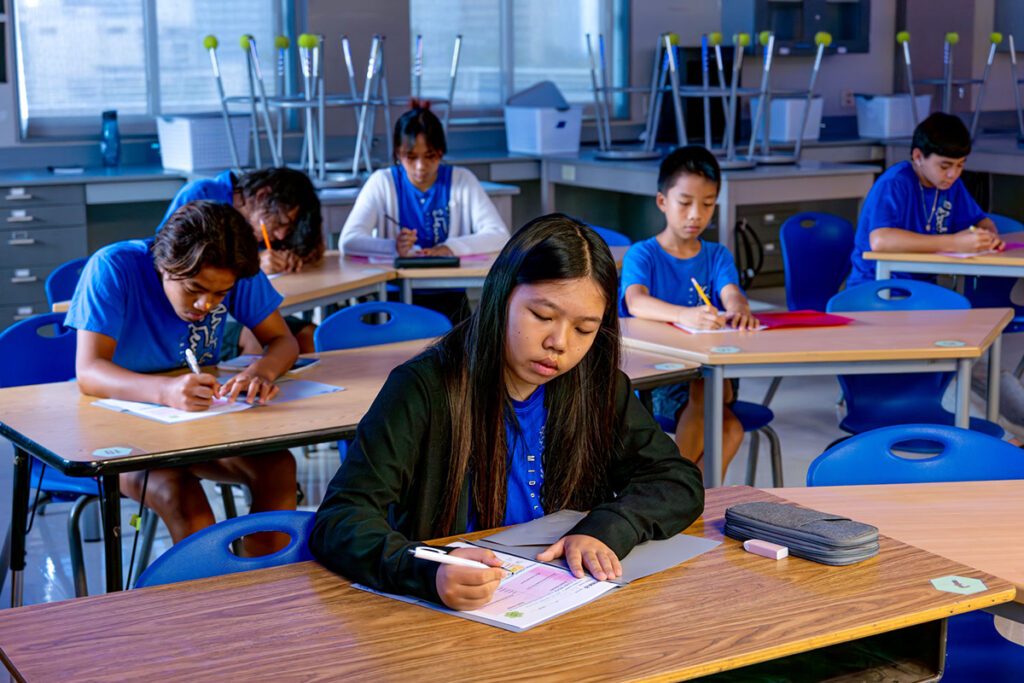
(517, 412)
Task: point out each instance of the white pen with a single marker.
(424, 552)
(193, 364)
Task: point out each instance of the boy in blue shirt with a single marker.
(921, 205)
(656, 284)
(140, 305)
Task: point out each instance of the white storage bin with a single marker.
(889, 116)
(786, 115)
(199, 141)
(543, 130)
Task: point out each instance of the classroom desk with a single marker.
(335, 279)
(722, 610)
(28, 416)
(975, 523)
(468, 274)
(876, 342)
(764, 184)
(1005, 264)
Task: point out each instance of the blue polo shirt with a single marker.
(121, 295)
(668, 277)
(425, 212)
(898, 200)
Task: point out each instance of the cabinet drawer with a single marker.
(23, 285)
(12, 313)
(26, 247)
(59, 215)
(33, 195)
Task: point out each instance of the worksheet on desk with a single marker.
(530, 594)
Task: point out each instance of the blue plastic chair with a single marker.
(994, 292)
(60, 284)
(975, 651)
(755, 419)
(874, 401)
(208, 551)
(345, 329)
(611, 237)
(816, 251)
(36, 351)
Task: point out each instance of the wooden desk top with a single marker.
(979, 524)
(874, 335)
(477, 269)
(335, 275)
(1013, 257)
(31, 412)
(724, 609)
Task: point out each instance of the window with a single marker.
(77, 58)
(509, 45)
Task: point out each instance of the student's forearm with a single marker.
(652, 308)
(734, 300)
(105, 379)
(897, 239)
(278, 357)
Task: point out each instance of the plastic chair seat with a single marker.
(753, 416)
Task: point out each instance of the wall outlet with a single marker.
(846, 99)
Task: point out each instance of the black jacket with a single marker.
(391, 486)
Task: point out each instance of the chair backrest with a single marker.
(964, 455)
(1005, 224)
(61, 283)
(208, 552)
(37, 350)
(611, 237)
(345, 329)
(879, 393)
(816, 251)
(897, 295)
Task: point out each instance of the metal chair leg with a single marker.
(149, 522)
(752, 458)
(227, 493)
(75, 545)
(776, 454)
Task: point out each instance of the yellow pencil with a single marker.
(700, 291)
(266, 240)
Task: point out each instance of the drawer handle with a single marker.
(21, 242)
(17, 197)
(24, 279)
(20, 219)
(22, 316)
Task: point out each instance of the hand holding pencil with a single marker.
(704, 317)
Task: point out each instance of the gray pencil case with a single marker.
(810, 534)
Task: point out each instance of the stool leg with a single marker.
(752, 458)
(776, 453)
(75, 545)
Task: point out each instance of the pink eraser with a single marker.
(766, 549)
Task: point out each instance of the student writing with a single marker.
(140, 305)
(519, 411)
(921, 205)
(421, 205)
(282, 202)
(658, 276)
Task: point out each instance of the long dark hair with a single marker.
(580, 402)
(205, 233)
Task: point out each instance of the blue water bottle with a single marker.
(110, 140)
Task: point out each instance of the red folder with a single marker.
(801, 319)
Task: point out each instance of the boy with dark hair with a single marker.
(657, 276)
(286, 203)
(140, 305)
(921, 205)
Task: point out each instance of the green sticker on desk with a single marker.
(725, 349)
(963, 585)
(669, 366)
(949, 342)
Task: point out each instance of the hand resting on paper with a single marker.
(581, 550)
(467, 588)
(255, 387)
(190, 392)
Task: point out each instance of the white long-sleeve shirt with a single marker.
(475, 227)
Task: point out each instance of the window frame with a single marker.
(86, 127)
